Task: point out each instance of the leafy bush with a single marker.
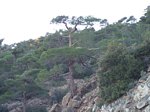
(119, 68)
(81, 71)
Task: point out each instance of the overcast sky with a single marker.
(25, 19)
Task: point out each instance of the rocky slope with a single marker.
(135, 100)
(86, 100)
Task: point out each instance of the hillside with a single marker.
(78, 70)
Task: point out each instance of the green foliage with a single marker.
(50, 78)
(63, 55)
(26, 62)
(88, 20)
(6, 61)
(85, 39)
(5, 97)
(143, 52)
(55, 40)
(146, 17)
(26, 83)
(43, 75)
(119, 68)
(81, 71)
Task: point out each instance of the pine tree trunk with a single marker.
(70, 40)
(71, 84)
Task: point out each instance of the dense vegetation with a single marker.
(118, 52)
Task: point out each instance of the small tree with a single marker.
(119, 68)
(23, 86)
(70, 54)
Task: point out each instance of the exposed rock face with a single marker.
(86, 98)
(37, 101)
(66, 99)
(17, 106)
(68, 109)
(56, 108)
(14, 106)
(136, 100)
(83, 101)
(89, 102)
(74, 103)
(87, 86)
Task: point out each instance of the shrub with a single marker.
(81, 71)
(119, 68)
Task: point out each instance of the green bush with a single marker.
(81, 71)
(119, 69)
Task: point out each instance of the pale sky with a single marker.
(29, 19)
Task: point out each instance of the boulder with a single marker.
(74, 103)
(91, 85)
(143, 102)
(66, 99)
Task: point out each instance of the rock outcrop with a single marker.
(56, 108)
(85, 99)
(17, 106)
(136, 100)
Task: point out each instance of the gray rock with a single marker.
(77, 98)
(66, 99)
(74, 103)
(68, 109)
(144, 102)
(147, 109)
(56, 108)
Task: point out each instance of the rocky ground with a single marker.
(136, 100)
(86, 100)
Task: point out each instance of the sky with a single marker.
(29, 19)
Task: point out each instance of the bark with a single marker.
(71, 84)
(70, 40)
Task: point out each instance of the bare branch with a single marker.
(66, 25)
(75, 27)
